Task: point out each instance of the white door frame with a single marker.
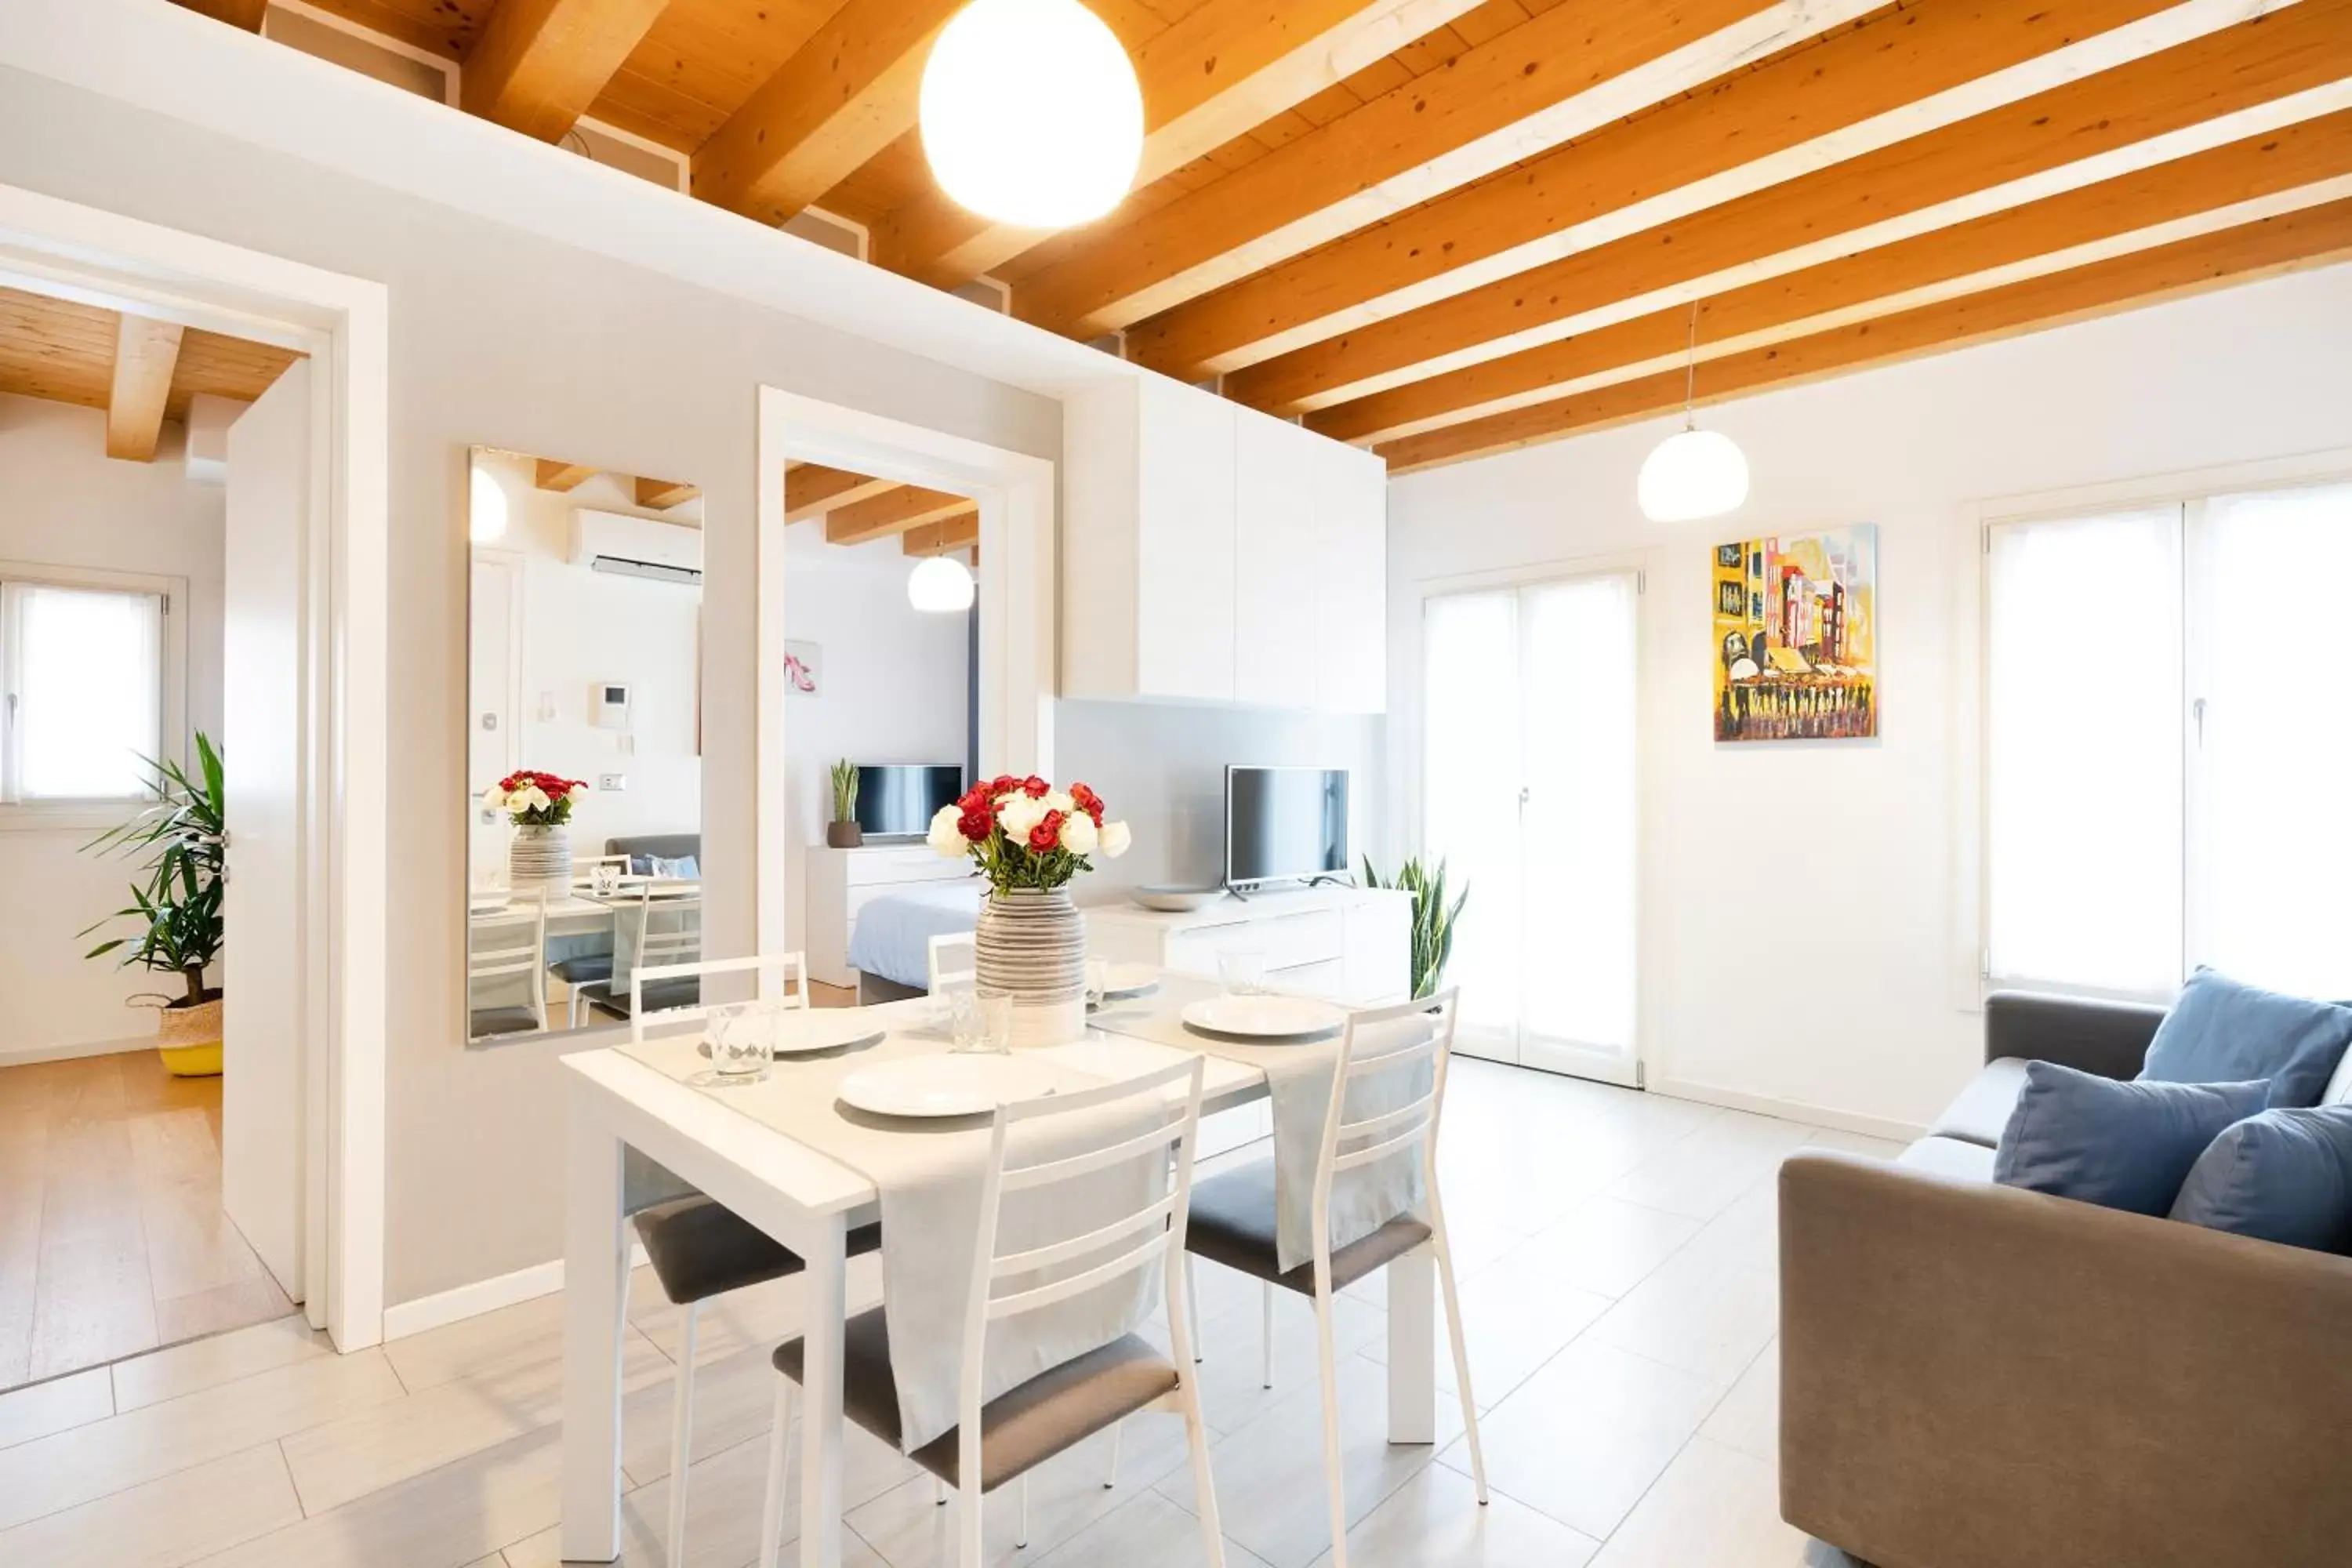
(342, 323)
(1017, 540)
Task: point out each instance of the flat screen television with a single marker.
(1285, 823)
(899, 799)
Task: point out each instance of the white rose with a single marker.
(531, 797)
(946, 838)
(495, 798)
(1115, 839)
(1019, 814)
(1059, 800)
(1079, 834)
(578, 792)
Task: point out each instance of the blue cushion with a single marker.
(2284, 1176)
(2120, 1145)
(687, 868)
(2221, 1031)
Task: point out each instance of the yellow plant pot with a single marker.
(189, 1039)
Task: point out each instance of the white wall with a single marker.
(581, 628)
(64, 502)
(1829, 962)
(892, 682)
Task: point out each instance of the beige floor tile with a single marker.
(68, 1469)
(235, 1305)
(1271, 1495)
(1606, 1244)
(1144, 1531)
(176, 1519)
(493, 1345)
(221, 1358)
(1434, 1521)
(1708, 1311)
(1231, 1370)
(42, 1408)
(339, 1462)
(1749, 1419)
(1585, 1437)
(452, 1515)
(1703, 1174)
(1714, 1506)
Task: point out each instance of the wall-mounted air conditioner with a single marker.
(637, 547)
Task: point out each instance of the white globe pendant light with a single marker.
(940, 584)
(1693, 473)
(1030, 112)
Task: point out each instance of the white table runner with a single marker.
(1299, 1080)
(928, 1174)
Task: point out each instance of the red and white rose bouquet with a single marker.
(1025, 833)
(535, 799)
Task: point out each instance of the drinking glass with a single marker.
(1242, 973)
(996, 1025)
(1097, 983)
(742, 1041)
(965, 1025)
(606, 879)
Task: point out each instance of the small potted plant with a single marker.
(178, 906)
(1029, 840)
(1433, 919)
(538, 859)
(842, 832)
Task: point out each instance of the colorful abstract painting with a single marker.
(1796, 636)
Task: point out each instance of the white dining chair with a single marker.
(1000, 1442)
(699, 1247)
(953, 960)
(1234, 1217)
(502, 946)
(669, 930)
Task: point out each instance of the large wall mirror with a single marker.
(585, 742)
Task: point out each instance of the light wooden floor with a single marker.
(111, 1236)
(1617, 1257)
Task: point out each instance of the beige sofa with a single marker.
(1974, 1376)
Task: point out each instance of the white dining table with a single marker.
(809, 1203)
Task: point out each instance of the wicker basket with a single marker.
(189, 1039)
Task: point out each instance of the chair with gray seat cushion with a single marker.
(999, 1442)
(1235, 1215)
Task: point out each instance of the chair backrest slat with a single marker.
(953, 959)
(1008, 1264)
(1422, 1113)
(791, 969)
(1386, 1119)
(1078, 1284)
(1093, 1160)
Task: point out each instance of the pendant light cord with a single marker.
(1690, 375)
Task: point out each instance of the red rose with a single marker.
(1035, 788)
(1046, 836)
(1002, 784)
(1089, 802)
(976, 823)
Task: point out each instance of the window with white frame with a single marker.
(85, 685)
(2167, 767)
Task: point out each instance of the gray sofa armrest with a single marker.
(1974, 1376)
(2110, 1038)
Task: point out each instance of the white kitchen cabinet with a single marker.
(1214, 553)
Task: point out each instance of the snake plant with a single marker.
(1433, 919)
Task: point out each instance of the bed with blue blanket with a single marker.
(892, 940)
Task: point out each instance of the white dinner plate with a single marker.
(1128, 980)
(804, 1031)
(947, 1085)
(1287, 1020)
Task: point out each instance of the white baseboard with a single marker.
(24, 1056)
(405, 1318)
(1790, 1110)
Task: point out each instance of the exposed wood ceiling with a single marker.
(141, 372)
(855, 509)
(1446, 227)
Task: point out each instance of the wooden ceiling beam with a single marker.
(1902, 72)
(2311, 237)
(551, 475)
(944, 538)
(906, 507)
(244, 13)
(841, 97)
(1216, 73)
(2304, 166)
(660, 495)
(2283, 69)
(1569, 70)
(811, 489)
(145, 353)
(538, 64)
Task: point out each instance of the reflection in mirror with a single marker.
(584, 741)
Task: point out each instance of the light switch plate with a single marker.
(613, 782)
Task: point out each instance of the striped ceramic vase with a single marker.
(1030, 945)
(538, 860)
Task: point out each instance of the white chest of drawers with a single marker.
(841, 882)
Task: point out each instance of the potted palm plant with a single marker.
(1433, 919)
(177, 906)
(842, 832)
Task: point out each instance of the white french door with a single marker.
(1528, 796)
